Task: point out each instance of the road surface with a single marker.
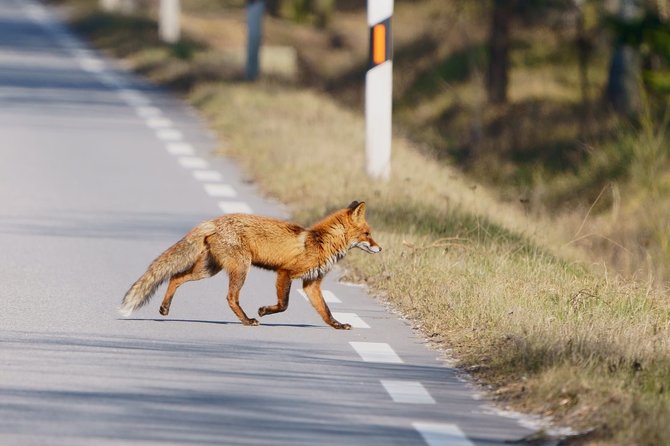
(100, 172)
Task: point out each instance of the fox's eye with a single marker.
(367, 234)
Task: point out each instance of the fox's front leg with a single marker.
(283, 290)
(313, 290)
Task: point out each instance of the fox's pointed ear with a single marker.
(357, 210)
(353, 205)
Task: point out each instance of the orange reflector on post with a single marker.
(379, 44)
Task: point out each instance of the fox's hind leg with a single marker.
(203, 268)
(283, 289)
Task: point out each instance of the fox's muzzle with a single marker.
(367, 247)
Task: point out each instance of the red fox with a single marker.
(235, 242)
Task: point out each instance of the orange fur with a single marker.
(235, 242)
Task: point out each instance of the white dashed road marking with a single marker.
(328, 296)
(133, 97)
(409, 392)
(37, 14)
(91, 64)
(220, 190)
(179, 148)
(235, 207)
(352, 319)
(376, 352)
(437, 434)
(109, 80)
(169, 135)
(192, 162)
(148, 111)
(207, 175)
(158, 122)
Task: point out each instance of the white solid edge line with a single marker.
(376, 352)
(235, 207)
(408, 392)
(220, 190)
(328, 296)
(442, 434)
(351, 318)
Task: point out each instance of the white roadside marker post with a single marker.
(379, 90)
(168, 23)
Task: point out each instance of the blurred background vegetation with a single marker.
(561, 105)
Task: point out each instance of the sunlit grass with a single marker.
(475, 274)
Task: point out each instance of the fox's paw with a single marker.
(340, 326)
(250, 322)
(262, 311)
(164, 311)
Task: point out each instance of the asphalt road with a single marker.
(99, 172)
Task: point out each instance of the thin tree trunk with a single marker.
(323, 10)
(273, 7)
(497, 76)
(583, 55)
(623, 84)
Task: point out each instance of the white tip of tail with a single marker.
(126, 310)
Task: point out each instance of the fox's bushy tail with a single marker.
(176, 259)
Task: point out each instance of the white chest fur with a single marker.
(323, 269)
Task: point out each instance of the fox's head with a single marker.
(358, 232)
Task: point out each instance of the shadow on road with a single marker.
(102, 224)
(197, 321)
(190, 392)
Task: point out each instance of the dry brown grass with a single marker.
(591, 349)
